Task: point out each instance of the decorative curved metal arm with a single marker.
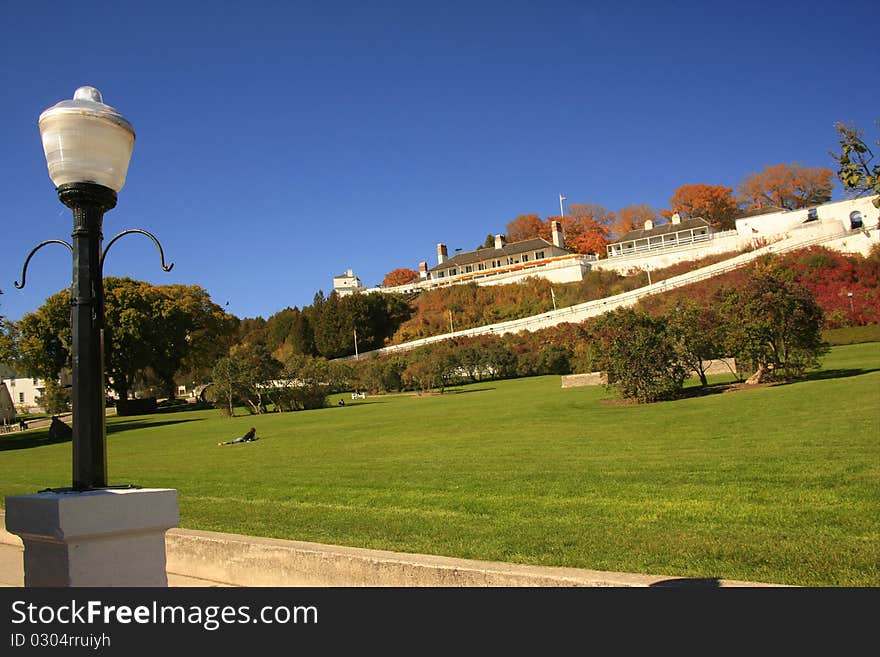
(31, 255)
(142, 232)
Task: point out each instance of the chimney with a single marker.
(423, 270)
(442, 254)
(649, 225)
(676, 218)
(556, 232)
(500, 241)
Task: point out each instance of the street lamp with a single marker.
(91, 534)
(88, 146)
(852, 309)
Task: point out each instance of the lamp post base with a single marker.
(94, 538)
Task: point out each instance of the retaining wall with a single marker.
(200, 558)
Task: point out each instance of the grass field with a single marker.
(775, 484)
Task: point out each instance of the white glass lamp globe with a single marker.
(86, 141)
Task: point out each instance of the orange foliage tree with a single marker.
(714, 203)
(586, 227)
(632, 217)
(400, 276)
(526, 227)
(788, 186)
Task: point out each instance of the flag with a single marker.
(563, 198)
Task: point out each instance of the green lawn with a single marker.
(777, 484)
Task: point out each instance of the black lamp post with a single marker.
(88, 146)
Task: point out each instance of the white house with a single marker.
(651, 237)
(24, 392)
(508, 262)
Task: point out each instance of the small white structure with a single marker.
(347, 283)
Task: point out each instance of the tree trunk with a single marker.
(759, 376)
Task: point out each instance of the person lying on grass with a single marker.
(249, 437)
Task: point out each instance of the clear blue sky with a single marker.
(280, 143)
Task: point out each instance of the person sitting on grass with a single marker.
(249, 437)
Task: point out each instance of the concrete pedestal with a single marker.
(94, 538)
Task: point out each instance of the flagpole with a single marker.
(561, 209)
(355, 343)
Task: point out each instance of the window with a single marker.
(441, 274)
(36, 381)
(539, 255)
(468, 269)
(855, 219)
(453, 272)
(511, 261)
(21, 398)
(525, 257)
(481, 267)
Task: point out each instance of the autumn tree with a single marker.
(789, 186)
(854, 170)
(400, 276)
(526, 227)
(586, 227)
(714, 203)
(632, 217)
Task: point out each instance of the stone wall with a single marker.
(590, 379)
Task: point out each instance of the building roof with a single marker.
(663, 229)
(491, 253)
(754, 212)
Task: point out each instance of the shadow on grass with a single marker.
(41, 438)
(29, 440)
(454, 391)
(688, 583)
(127, 425)
(823, 375)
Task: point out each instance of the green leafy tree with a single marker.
(774, 324)
(697, 334)
(855, 170)
(228, 379)
(8, 351)
(258, 371)
(181, 315)
(44, 338)
(638, 353)
(55, 398)
(431, 366)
